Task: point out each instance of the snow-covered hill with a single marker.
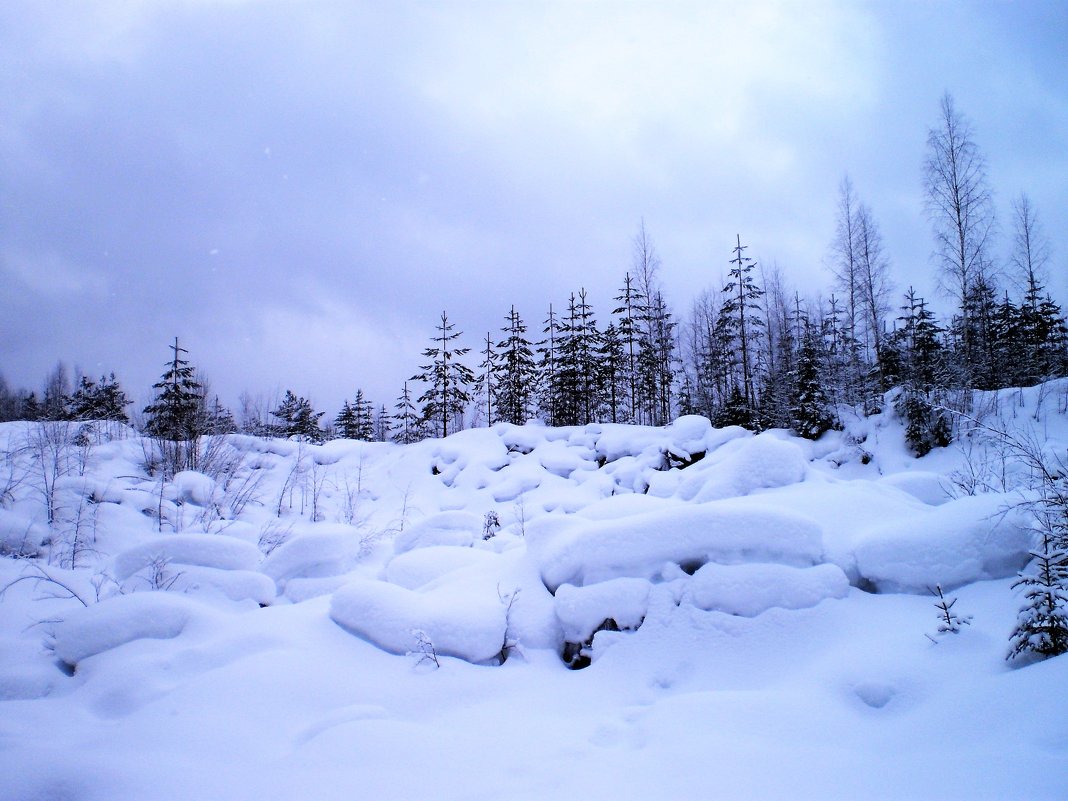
(359, 620)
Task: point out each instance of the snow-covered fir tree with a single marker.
(448, 381)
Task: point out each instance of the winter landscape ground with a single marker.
(369, 620)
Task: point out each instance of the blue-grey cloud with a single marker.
(298, 189)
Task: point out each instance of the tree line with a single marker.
(750, 353)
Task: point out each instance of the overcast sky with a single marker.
(298, 190)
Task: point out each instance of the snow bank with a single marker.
(470, 626)
(122, 619)
(583, 552)
(969, 539)
(208, 550)
(581, 610)
(446, 528)
(749, 590)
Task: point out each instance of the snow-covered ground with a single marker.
(269, 629)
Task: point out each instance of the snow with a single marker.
(749, 590)
(966, 540)
(216, 551)
(122, 619)
(467, 625)
(733, 531)
(581, 610)
(772, 596)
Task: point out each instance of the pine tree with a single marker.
(486, 381)
(447, 379)
(299, 418)
(1042, 625)
(345, 422)
(611, 374)
(741, 325)
(405, 420)
(517, 373)
(548, 400)
(174, 413)
(218, 419)
(381, 424)
(105, 400)
(173, 418)
(363, 418)
(631, 310)
(810, 411)
(924, 375)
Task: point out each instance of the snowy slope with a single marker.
(752, 611)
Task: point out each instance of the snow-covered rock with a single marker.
(445, 528)
(208, 550)
(470, 626)
(969, 539)
(581, 610)
(315, 554)
(121, 619)
(583, 552)
(751, 589)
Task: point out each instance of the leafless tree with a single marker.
(960, 207)
(1030, 252)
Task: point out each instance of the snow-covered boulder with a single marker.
(208, 550)
(969, 539)
(121, 619)
(417, 568)
(192, 487)
(581, 552)
(740, 467)
(581, 610)
(445, 528)
(315, 554)
(468, 625)
(749, 590)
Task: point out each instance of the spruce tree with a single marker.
(447, 378)
(405, 421)
(516, 384)
(548, 350)
(173, 418)
(363, 418)
(811, 414)
(743, 324)
(105, 400)
(631, 310)
(299, 418)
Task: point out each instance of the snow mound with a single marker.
(969, 539)
(315, 554)
(469, 626)
(582, 610)
(445, 528)
(922, 485)
(124, 618)
(583, 552)
(207, 550)
(749, 590)
(235, 585)
(19, 535)
(193, 487)
(417, 568)
(739, 467)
